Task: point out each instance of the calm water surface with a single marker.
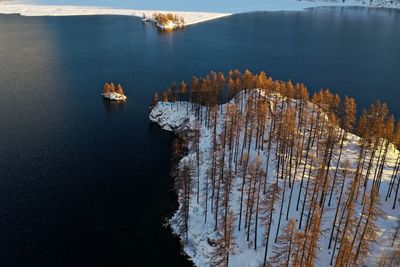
(84, 181)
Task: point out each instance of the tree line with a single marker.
(284, 150)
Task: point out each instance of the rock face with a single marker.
(114, 96)
(166, 115)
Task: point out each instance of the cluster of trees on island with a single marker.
(287, 154)
(166, 19)
(111, 88)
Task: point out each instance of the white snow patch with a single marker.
(114, 96)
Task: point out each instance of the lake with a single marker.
(86, 182)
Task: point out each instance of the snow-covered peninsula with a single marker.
(267, 169)
(77, 8)
(192, 12)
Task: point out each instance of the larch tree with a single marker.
(345, 229)
(185, 186)
(348, 113)
(119, 89)
(224, 245)
(396, 168)
(339, 203)
(267, 206)
(283, 249)
(369, 233)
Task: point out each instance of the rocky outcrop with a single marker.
(114, 96)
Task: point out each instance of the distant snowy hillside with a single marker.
(208, 5)
(192, 11)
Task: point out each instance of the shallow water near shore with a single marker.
(85, 181)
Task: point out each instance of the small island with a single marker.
(113, 93)
(166, 22)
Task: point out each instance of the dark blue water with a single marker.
(86, 182)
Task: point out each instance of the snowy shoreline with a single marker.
(178, 118)
(48, 10)
(191, 15)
